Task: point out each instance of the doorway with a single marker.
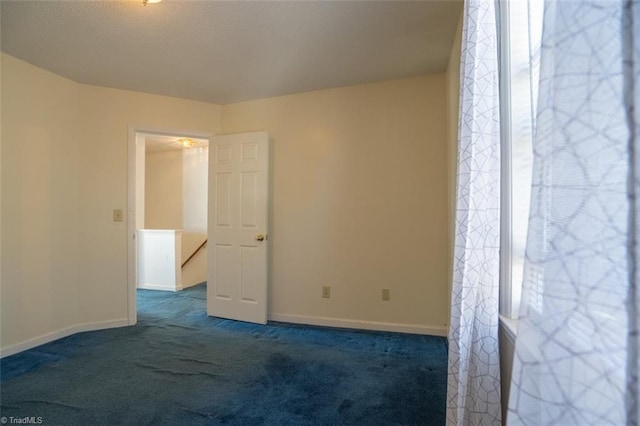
(167, 208)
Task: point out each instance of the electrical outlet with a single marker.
(326, 292)
(386, 294)
(117, 215)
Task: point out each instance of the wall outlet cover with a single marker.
(117, 215)
(386, 294)
(326, 292)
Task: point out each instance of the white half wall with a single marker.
(159, 259)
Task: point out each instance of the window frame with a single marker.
(517, 124)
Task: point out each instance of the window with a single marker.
(520, 36)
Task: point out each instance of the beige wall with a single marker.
(104, 174)
(163, 190)
(1, 57)
(64, 170)
(40, 199)
(359, 201)
(453, 105)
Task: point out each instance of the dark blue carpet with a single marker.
(179, 367)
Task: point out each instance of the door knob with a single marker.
(260, 237)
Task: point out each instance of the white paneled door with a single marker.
(238, 218)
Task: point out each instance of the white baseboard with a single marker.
(158, 287)
(296, 319)
(359, 324)
(59, 334)
(192, 285)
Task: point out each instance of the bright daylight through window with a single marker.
(520, 34)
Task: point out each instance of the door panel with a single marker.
(223, 199)
(250, 285)
(223, 269)
(249, 200)
(237, 283)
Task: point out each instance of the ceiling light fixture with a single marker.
(186, 143)
(144, 2)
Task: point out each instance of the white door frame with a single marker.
(132, 154)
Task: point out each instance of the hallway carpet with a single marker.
(178, 366)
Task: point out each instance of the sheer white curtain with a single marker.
(577, 355)
(473, 394)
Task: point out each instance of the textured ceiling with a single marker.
(229, 51)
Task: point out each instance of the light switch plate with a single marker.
(117, 215)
